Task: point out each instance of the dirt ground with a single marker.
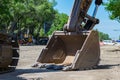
(109, 67)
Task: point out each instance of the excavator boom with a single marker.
(78, 13)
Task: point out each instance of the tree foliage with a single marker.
(113, 7)
(58, 23)
(25, 15)
(103, 36)
(30, 16)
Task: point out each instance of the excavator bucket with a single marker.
(76, 50)
(77, 47)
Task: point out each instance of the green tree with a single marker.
(113, 7)
(103, 36)
(4, 14)
(25, 15)
(58, 23)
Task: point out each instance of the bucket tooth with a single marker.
(77, 50)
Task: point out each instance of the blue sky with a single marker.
(106, 25)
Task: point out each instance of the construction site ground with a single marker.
(108, 69)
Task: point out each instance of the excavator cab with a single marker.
(77, 46)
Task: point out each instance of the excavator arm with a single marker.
(79, 15)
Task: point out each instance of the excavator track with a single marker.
(14, 62)
(9, 55)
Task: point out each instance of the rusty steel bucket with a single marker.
(76, 50)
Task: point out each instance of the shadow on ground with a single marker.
(107, 66)
(16, 74)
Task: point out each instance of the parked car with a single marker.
(42, 41)
(108, 42)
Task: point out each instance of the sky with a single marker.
(106, 25)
